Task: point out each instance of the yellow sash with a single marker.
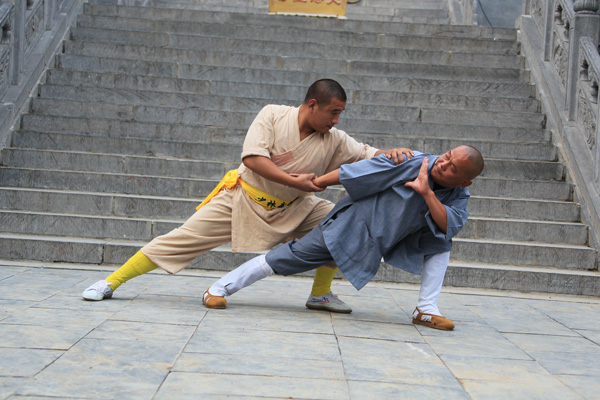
(264, 199)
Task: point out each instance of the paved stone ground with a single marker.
(155, 340)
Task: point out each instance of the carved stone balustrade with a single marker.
(560, 42)
(31, 31)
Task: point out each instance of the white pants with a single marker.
(432, 277)
(244, 275)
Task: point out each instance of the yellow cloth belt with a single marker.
(231, 179)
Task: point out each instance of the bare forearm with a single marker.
(437, 210)
(330, 178)
(266, 168)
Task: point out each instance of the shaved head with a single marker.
(475, 158)
(324, 90)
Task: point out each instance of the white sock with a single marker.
(432, 277)
(244, 275)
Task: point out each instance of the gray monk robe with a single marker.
(380, 217)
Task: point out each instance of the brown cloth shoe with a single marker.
(211, 301)
(432, 320)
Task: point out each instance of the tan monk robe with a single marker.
(233, 216)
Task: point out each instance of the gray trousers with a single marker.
(310, 252)
(302, 255)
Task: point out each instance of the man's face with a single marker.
(451, 169)
(323, 118)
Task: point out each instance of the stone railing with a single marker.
(31, 30)
(462, 12)
(560, 43)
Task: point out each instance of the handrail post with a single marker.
(586, 23)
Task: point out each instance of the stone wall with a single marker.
(560, 43)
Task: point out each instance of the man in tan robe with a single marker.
(269, 198)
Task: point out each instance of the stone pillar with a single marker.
(548, 27)
(18, 41)
(49, 13)
(586, 23)
(596, 158)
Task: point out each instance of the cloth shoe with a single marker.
(432, 321)
(98, 291)
(211, 301)
(328, 302)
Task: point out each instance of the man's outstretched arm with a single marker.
(436, 208)
(266, 168)
(330, 178)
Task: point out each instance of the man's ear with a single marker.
(312, 104)
(465, 183)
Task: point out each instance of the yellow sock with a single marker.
(322, 283)
(137, 265)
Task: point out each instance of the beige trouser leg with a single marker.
(314, 218)
(206, 229)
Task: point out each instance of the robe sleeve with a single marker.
(348, 150)
(367, 177)
(456, 215)
(261, 135)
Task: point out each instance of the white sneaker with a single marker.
(328, 302)
(98, 291)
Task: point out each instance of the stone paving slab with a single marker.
(155, 340)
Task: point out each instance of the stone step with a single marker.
(98, 203)
(84, 226)
(524, 169)
(386, 103)
(464, 249)
(186, 125)
(113, 163)
(224, 111)
(433, 11)
(195, 187)
(125, 45)
(106, 182)
(93, 226)
(157, 207)
(76, 102)
(211, 34)
(171, 141)
(193, 110)
(522, 188)
(239, 18)
(547, 210)
(460, 273)
(498, 149)
(167, 69)
(527, 231)
(514, 277)
(260, 84)
(68, 159)
(524, 254)
(420, 4)
(129, 145)
(379, 133)
(173, 137)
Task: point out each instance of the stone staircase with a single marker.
(146, 109)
